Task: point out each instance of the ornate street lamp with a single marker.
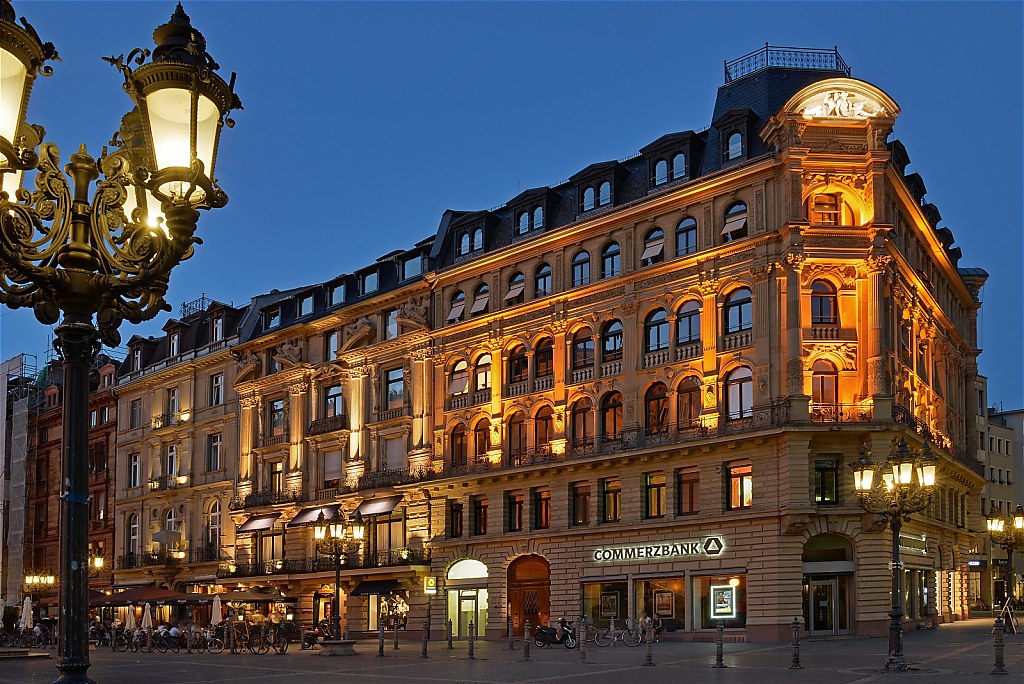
(72, 255)
(338, 538)
(905, 486)
(1007, 531)
(39, 582)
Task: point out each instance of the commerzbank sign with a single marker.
(709, 546)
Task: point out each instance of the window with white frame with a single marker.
(214, 452)
(216, 389)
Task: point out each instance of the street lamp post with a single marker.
(1007, 531)
(338, 538)
(905, 486)
(73, 255)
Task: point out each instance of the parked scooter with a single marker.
(563, 634)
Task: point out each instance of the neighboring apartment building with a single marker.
(177, 450)
(18, 398)
(637, 390)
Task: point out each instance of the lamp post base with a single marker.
(896, 663)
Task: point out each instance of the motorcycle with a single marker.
(563, 634)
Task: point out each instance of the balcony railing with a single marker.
(517, 389)
(656, 358)
(458, 402)
(166, 420)
(205, 554)
(165, 482)
(299, 566)
(265, 498)
(737, 340)
(787, 57)
(901, 414)
(841, 413)
(389, 478)
(544, 383)
(611, 368)
(690, 350)
(331, 424)
(130, 561)
(481, 396)
(582, 374)
(825, 331)
(390, 414)
(271, 440)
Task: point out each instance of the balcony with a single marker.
(131, 561)
(481, 396)
(165, 482)
(322, 426)
(272, 440)
(544, 383)
(655, 358)
(458, 402)
(265, 498)
(901, 414)
(166, 420)
(390, 414)
(389, 478)
(840, 413)
(690, 350)
(611, 368)
(517, 389)
(824, 331)
(206, 554)
(353, 561)
(737, 340)
(582, 374)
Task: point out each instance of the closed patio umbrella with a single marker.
(26, 613)
(217, 617)
(129, 623)
(147, 619)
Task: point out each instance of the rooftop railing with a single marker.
(786, 57)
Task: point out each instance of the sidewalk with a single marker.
(959, 653)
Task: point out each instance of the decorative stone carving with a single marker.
(495, 434)
(297, 389)
(834, 146)
(412, 313)
(847, 275)
(759, 210)
(878, 263)
(760, 273)
(794, 261)
(708, 286)
(289, 352)
(248, 367)
(795, 376)
(361, 330)
(839, 104)
(852, 180)
(559, 419)
(847, 353)
(249, 401)
(630, 307)
(709, 396)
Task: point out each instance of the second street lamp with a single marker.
(338, 538)
(1007, 531)
(93, 259)
(901, 486)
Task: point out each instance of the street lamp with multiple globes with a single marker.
(73, 255)
(1007, 531)
(338, 538)
(904, 486)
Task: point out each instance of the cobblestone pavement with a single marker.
(960, 653)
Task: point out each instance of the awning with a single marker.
(653, 250)
(256, 523)
(480, 303)
(456, 311)
(308, 516)
(515, 291)
(375, 587)
(379, 506)
(734, 224)
(459, 384)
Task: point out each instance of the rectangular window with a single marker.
(369, 283)
(44, 435)
(94, 417)
(514, 506)
(654, 495)
(137, 359)
(172, 401)
(134, 470)
(174, 345)
(611, 500)
(545, 360)
(217, 329)
(825, 210)
(332, 468)
(480, 515)
(336, 294)
(826, 482)
(305, 305)
(271, 318)
(334, 402)
(395, 389)
(412, 267)
(330, 345)
(104, 415)
(580, 500)
(541, 509)
(135, 417)
(390, 324)
(217, 389)
(688, 484)
(741, 481)
(454, 519)
(277, 418)
(214, 452)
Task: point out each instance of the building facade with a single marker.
(636, 391)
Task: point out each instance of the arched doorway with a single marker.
(466, 597)
(529, 592)
(828, 570)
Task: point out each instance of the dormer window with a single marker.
(336, 294)
(735, 222)
(137, 359)
(679, 166)
(589, 199)
(478, 239)
(530, 220)
(173, 345)
(369, 282)
(734, 146)
(412, 267)
(604, 194)
(661, 172)
(271, 318)
(305, 305)
(538, 218)
(463, 244)
(523, 225)
(217, 329)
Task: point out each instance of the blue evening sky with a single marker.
(363, 122)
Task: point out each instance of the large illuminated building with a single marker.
(641, 387)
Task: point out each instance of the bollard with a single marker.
(527, 634)
(426, 638)
(511, 636)
(649, 661)
(380, 642)
(526, 650)
(188, 639)
(581, 636)
(472, 639)
(448, 627)
(1000, 667)
(345, 632)
(795, 665)
(719, 640)
(396, 635)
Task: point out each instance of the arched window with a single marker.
(610, 260)
(523, 225)
(611, 342)
(735, 222)
(542, 281)
(739, 393)
(543, 428)
(656, 408)
(544, 358)
(481, 438)
(458, 306)
(734, 148)
(582, 417)
(688, 323)
(588, 198)
(478, 239)
(518, 368)
(686, 236)
(581, 269)
(517, 441)
(679, 166)
(464, 244)
(131, 536)
(481, 298)
(824, 383)
(654, 247)
(214, 525)
(460, 456)
(688, 403)
(516, 287)
(582, 349)
(459, 380)
(826, 209)
(738, 311)
(611, 416)
(823, 303)
(660, 172)
(538, 218)
(605, 194)
(483, 373)
(656, 331)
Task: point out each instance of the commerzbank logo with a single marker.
(709, 546)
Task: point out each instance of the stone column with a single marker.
(799, 402)
(248, 424)
(710, 316)
(877, 367)
(298, 421)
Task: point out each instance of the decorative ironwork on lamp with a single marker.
(1007, 531)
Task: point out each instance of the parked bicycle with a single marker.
(244, 640)
(628, 635)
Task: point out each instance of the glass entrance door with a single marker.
(824, 599)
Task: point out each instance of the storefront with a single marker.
(828, 571)
(466, 596)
